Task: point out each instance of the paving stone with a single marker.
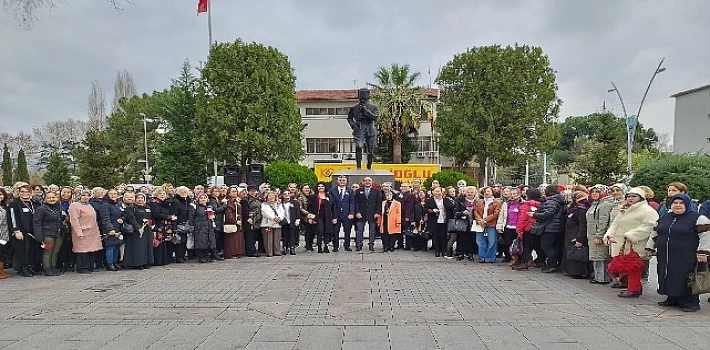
(271, 345)
(366, 334)
(275, 333)
(361, 345)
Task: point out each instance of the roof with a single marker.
(310, 95)
(691, 91)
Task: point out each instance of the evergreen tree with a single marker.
(6, 166)
(96, 165)
(57, 171)
(22, 173)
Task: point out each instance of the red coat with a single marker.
(525, 222)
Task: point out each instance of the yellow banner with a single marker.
(402, 172)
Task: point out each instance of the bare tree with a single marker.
(26, 11)
(664, 143)
(97, 107)
(124, 87)
(58, 135)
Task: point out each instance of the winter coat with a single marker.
(84, 228)
(676, 240)
(203, 228)
(634, 223)
(394, 217)
(598, 219)
(48, 221)
(110, 211)
(219, 207)
(139, 247)
(326, 212)
(550, 216)
(269, 212)
(525, 222)
(509, 214)
(180, 207)
(576, 223)
(254, 207)
(20, 215)
(665, 207)
(491, 216)
(4, 224)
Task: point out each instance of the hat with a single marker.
(252, 188)
(622, 187)
(577, 194)
(241, 189)
(637, 191)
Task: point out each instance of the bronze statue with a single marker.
(362, 118)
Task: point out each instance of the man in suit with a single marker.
(344, 206)
(406, 198)
(368, 207)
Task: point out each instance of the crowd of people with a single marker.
(574, 230)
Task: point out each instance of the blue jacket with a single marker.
(345, 206)
(664, 208)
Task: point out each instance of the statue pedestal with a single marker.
(355, 176)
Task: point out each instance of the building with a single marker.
(691, 133)
(328, 136)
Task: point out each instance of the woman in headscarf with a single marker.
(85, 232)
(598, 219)
(681, 241)
(233, 231)
(139, 243)
(202, 218)
(576, 234)
(66, 256)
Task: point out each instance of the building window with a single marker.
(329, 146)
(328, 111)
(423, 143)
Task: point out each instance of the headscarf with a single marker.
(685, 198)
(623, 187)
(579, 202)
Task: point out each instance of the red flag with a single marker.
(202, 6)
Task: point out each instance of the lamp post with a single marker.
(146, 171)
(632, 121)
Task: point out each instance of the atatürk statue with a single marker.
(362, 118)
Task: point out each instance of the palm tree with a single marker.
(402, 104)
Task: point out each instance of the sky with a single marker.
(46, 70)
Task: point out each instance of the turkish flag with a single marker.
(202, 6)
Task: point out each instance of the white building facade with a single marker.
(691, 133)
(328, 136)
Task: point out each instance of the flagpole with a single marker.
(209, 23)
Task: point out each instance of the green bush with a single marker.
(280, 174)
(449, 178)
(693, 171)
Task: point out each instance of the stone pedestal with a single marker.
(355, 176)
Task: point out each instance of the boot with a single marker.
(320, 249)
(325, 249)
(292, 251)
(111, 267)
(216, 256)
(514, 261)
(25, 271)
(3, 275)
(369, 161)
(358, 158)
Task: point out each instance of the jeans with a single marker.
(111, 254)
(372, 227)
(347, 225)
(50, 256)
(550, 245)
(487, 244)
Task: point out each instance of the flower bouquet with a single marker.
(146, 222)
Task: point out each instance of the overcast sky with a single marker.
(46, 70)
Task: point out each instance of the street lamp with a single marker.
(632, 121)
(145, 134)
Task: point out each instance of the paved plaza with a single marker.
(400, 300)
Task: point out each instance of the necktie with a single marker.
(342, 193)
(367, 192)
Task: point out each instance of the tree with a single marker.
(21, 172)
(498, 104)
(693, 171)
(401, 103)
(180, 158)
(96, 166)
(61, 137)
(385, 152)
(25, 11)
(57, 171)
(280, 174)
(123, 88)
(448, 178)
(246, 106)
(7, 179)
(97, 107)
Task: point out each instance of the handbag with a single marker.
(699, 281)
(516, 248)
(424, 232)
(184, 228)
(190, 244)
(230, 228)
(457, 225)
(580, 254)
(127, 228)
(411, 231)
(626, 263)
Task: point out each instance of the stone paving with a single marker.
(345, 300)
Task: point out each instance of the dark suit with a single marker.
(289, 231)
(408, 204)
(367, 206)
(343, 205)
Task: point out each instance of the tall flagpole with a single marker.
(209, 22)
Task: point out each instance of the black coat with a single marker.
(432, 217)
(20, 215)
(326, 213)
(676, 249)
(139, 247)
(48, 221)
(111, 211)
(179, 207)
(551, 216)
(368, 206)
(408, 207)
(203, 229)
(219, 208)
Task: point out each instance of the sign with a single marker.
(402, 172)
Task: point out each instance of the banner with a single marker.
(402, 172)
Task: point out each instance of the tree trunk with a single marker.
(397, 150)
